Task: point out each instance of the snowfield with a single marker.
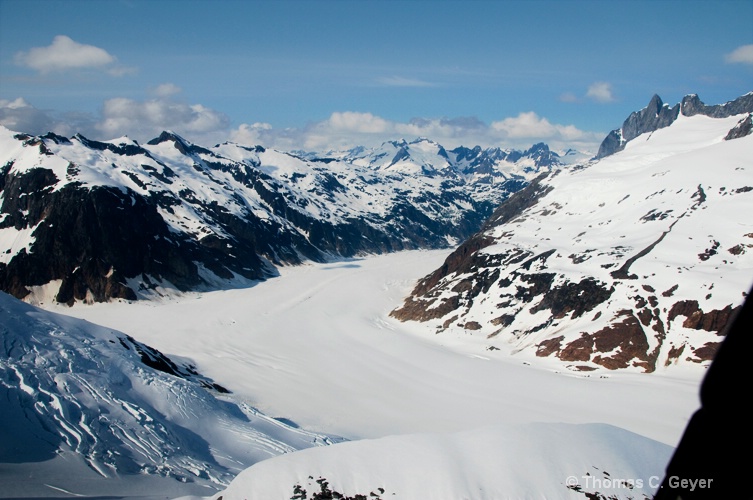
(505, 461)
(316, 347)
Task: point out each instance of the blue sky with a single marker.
(311, 74)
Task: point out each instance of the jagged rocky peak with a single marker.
(692, 105)
(657, 115)
(168, 135)
(183, 145)
(123, 146)
(654, 116)
(543, 156)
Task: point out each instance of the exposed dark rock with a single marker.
(465, 259)
(549, 346)
(674, 353)
(623, 272)
(504, 320)
(629, 336)
(696, 319)
(737, 249)
(577, 298)
(153, 358)
(540, 284)
(517, 203)
(653, 117)
(706, 254)
(578, 350)
(669, 292)
(542, 155)
(743, 128)
(706, 352)
(692, 105)
(621, 344)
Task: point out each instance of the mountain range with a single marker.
(82, 220)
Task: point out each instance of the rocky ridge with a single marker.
(657, 115)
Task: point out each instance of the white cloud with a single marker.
(600, 92)
(20, 116)
(530, 128)
(401, 81)
(250, 134)
(741, 55)
(568, 97)
(17, 103)
(166, 90)
(351, 121)
(525, 125)
(146, 119)
(66, 54)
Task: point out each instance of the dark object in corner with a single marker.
(713, 459)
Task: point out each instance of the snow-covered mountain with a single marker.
(103, 402)
(633, 261)
(88, 220)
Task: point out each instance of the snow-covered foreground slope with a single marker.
(82, 405)
(525, 461)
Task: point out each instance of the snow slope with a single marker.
(102, 405)
(635, 261)
(551, 461)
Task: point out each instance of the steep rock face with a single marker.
(692, 105)
(744, 127)
(636, 261)
(658, 115)
(89, 220)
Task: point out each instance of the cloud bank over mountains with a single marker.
(164, 110)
